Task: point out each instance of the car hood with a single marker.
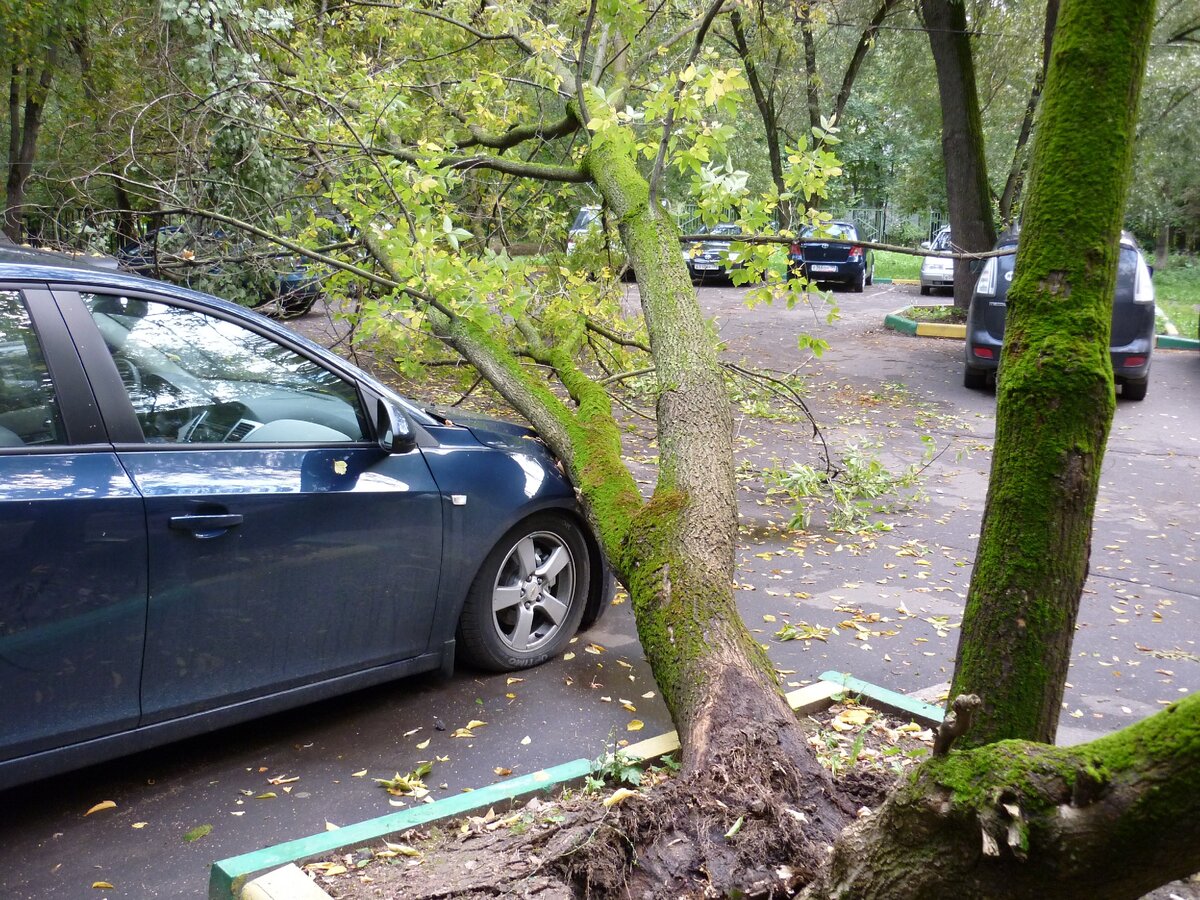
(489, 431)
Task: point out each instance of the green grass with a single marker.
(896, 265)
(1177, 292)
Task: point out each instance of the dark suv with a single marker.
(1132, 339)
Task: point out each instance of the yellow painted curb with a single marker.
(288, 883)
(906, 281)
(940, 329)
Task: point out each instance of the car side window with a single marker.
(199, 379)
(28, 408)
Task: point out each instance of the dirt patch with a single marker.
(535, 850)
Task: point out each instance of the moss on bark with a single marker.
(1055, 395)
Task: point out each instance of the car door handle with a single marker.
(202, 526)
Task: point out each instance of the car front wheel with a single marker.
(529, 596)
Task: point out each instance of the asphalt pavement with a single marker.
(884, 607)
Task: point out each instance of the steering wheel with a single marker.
(130, 376)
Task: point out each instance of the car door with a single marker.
(285, 546)
(72, 545)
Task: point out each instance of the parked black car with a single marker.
(206, 518)
(711, 258)
(832, 254)
(1132, 319)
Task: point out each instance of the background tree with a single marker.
(967, 190)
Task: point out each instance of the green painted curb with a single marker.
(229, 876)
(1171, 342)
(881, 281)
(899, 323)
(884, 697)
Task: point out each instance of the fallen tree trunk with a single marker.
(1111, 819)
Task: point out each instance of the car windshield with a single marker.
(941, 241)
(834, 231)
(726, 228)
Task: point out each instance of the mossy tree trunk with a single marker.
(744, 752)
(1055, 395)
(968, 194)
(1111, 819)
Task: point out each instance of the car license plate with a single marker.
(823, 268)
(705, 267)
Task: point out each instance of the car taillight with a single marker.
(1135, 361)
(797, 250)
(856, 252)
(983, 352)
(987, 279)
(1143, 291)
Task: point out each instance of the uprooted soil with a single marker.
(571, 845)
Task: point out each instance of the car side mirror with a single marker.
(1150, 268)
(392, 429)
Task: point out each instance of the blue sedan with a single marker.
(205, 518)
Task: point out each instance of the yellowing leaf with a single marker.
(635, 725)
(502, 772)
(139, 824)
(266, 795)
(424, 744)
(102, 885)
(475, 723)
(102, 805)
(329, 826)
(568, 656)
(526, 741)
(619, 795)
(359, 774)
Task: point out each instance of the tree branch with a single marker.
(656, 174)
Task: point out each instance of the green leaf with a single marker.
(196, 833)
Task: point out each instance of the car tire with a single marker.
(859, 283)
(924, 290)
(871, 275)
(975, 379)
(529, 596)
(1135, 388)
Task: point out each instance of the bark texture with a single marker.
(24, 124)
(967, 191)
(1111, 819)
(1055, 395)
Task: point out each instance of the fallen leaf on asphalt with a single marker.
(359, 774)
(502, 772)
(424, 744)
(526, 741)
(103, 804)
(568, 656)
(283, 779)
(407, 785)
(594, 649)
(329, 826)
(512, 681)
(635, 725)
(102, 885)
(647, 695)
(402, 849)
(139, 824)
(266, 795)
(196, 833)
